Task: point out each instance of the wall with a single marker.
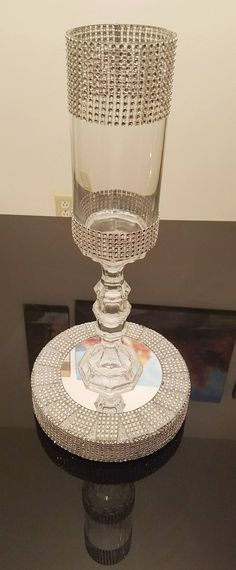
(199, 173)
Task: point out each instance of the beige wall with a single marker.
(200, 152)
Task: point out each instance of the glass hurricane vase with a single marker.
(119, 92)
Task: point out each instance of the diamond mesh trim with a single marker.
(116, 200)
(120, 74)
(82, 431)
(114, 247)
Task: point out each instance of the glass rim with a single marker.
(157, 33)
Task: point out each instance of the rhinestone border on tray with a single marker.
(102, 437)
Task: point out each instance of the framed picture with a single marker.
(42, 323)
(234, 392)
(205, 338)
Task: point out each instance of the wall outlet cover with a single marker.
(63, 206)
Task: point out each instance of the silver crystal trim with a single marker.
(114, 246)
(99, 436)
(120, 74)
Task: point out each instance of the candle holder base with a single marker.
(149, 417)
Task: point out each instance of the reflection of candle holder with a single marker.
(119, 91)
(108, 521)
(108, 495)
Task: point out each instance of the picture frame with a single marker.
(204, 337)
(42, 323)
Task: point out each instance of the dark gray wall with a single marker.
(193, 265)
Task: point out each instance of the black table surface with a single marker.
(184, 515)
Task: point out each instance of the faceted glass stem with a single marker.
(112, 307)
(110, 367)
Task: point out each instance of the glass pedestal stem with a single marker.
(110, 367)
(112, 307)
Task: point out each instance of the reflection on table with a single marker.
(108, 495)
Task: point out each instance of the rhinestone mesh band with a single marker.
(116, 200)
(99, 436)
(109, 245)
(114, 246)
(120, 74)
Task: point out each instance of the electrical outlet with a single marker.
(63, 206)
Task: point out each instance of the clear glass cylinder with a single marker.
(119, 91)
(117, 174)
